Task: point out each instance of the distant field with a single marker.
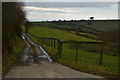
(102, 25)
(44, 32)
(65, 26)
(87, 28)
(85, 34)
(87, 61)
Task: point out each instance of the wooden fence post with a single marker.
(60, 49)
(101, 54)
(48, 42)
(42, 41)
(45, 42)
(51, 43)
(58, 44)
(54, 43)
(39, 40)
(76, 57)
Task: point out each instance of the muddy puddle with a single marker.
(27, 54)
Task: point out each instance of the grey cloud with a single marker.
(46, 11)
(70, 4)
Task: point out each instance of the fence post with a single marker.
(76, 57)
(58, 44)
(39, 40)
(101, 54)
(51, 43)
(42, 41)
(60, 49)
(45, 42)
(48, 42)
(54, 43)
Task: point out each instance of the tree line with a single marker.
(13, 17)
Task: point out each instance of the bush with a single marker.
(13, 18)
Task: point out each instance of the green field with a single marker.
(103, 25)
(66, 26)
(87, 61)
(86, 34)
(44, 32)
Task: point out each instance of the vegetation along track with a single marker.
(46, 68)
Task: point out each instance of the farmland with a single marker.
(98, 25)
(60, 40)
(88, 61)
(61, 34)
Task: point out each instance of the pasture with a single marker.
(88, 61)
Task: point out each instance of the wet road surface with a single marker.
(27, 55)
(46, 69)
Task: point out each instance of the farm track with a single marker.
(27, 68)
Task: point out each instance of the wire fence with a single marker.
(58, 45)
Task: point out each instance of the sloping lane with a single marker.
(47, 68)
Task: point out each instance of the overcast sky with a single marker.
(71, 10)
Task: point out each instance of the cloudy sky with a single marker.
(39, 11)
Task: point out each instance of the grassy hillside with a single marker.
(99, 25)
(9, 61)
(103, 25)
(88, 61)
(92, 29)
(72, 26)
(44, 32)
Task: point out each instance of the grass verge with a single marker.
(87, 61)
(9, 59)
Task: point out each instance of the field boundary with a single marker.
(58, 45)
